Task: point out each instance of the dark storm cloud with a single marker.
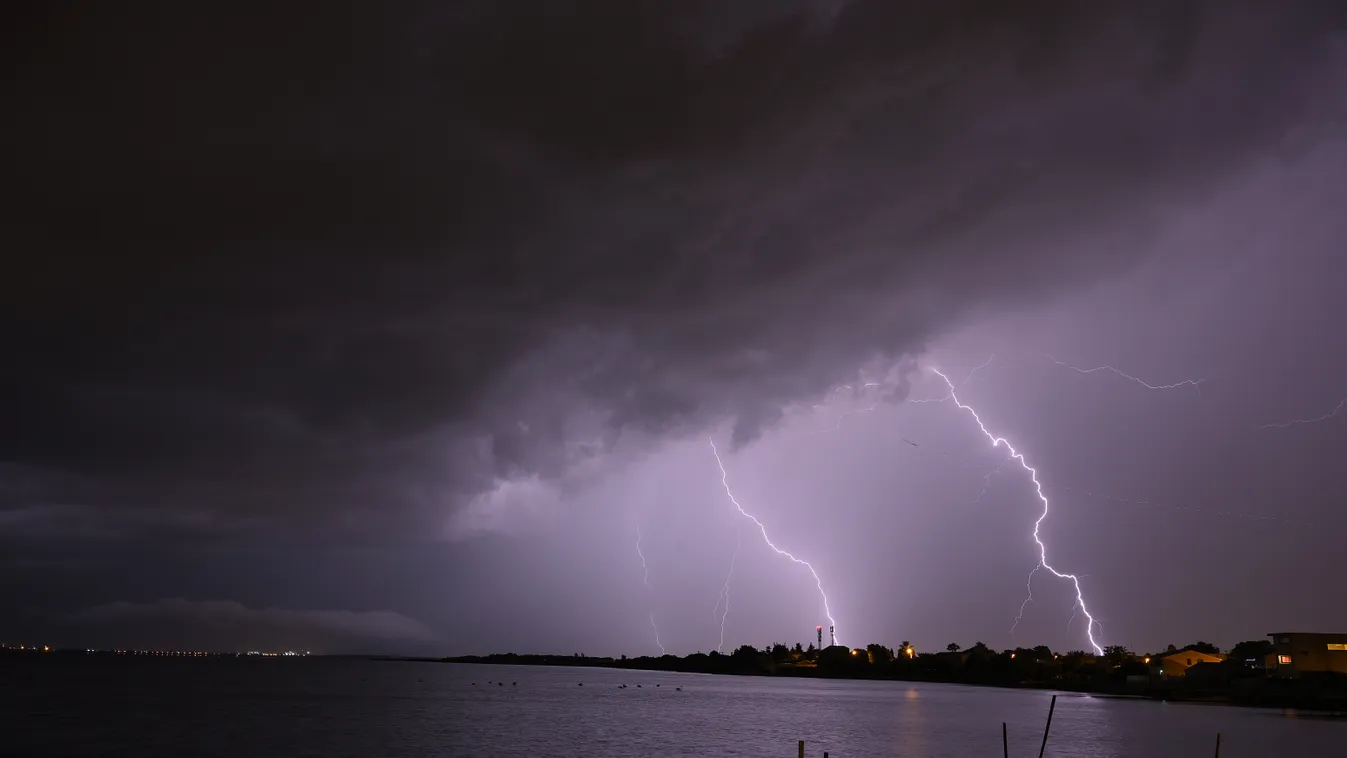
(366, 263)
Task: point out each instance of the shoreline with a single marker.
(1306, 703)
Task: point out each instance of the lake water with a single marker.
(320, 707)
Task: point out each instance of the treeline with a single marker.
(977, 664)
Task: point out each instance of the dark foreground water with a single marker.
(320, 707)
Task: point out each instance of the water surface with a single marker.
(322, 707)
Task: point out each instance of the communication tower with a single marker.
(832, 634)
(819, 630)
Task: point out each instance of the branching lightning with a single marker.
(725, 481)
(656, 628)
(1038, 489)
(725, 594)
(1287, 424)
(1197, 383)
(978, 368)
(1028, 597)
(987, 482)
(1117, 499)
(645, 577)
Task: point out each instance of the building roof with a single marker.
(1189, 652)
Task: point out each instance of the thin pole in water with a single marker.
(1218, 745)
(801, 748)
(1005, 745)
(1048, 726)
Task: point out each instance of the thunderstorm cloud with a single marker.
(358, 276)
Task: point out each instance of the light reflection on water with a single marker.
(365, 708)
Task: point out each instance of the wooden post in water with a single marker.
(1005, 745)
(1218, 745)
(801, 748)
(1044, 746)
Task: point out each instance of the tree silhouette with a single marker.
(747, 652)
(1258, 649)
(952, 647)
(1117, 654)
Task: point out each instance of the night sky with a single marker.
(384, 326)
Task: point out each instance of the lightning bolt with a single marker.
(987, 482)
(655, 626)
(837, 425)
(1038, 489)
(1115, 498)
(978, 368)
(725, 593)
(646, 579)
(725, 481)
(1028, 598)
(1293, 422)
(1185, 383)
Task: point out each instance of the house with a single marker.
(1205, 674)
(1177, 662)
(1304, 651)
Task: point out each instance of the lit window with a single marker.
(1284, 659)
(1337, 646)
